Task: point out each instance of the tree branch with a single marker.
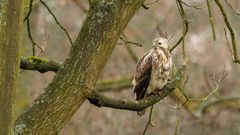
(232, 34)
(78, 75)
(232, 102)
(101, 100)
(39, 64)
(234, 11)
(211, 19)
(185, 27)
(57, 22)
(149, 123)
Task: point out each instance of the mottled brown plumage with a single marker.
(153, 70)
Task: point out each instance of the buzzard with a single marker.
(153, 70)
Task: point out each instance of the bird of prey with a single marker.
(153, 70)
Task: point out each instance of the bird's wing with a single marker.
(142, 75)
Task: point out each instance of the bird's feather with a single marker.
(142, 75)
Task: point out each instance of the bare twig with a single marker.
(234, 46)
(177, 126)
(211, 20)
(228, 45)
(145, 6)
(29, 11)
(29, 29)
(226, 101)
(152, 2)
(30, 37)
(234, 11)
(193, 6)
(185, 27)
(177, 106)
(57, 22)
(149, 123)
(215, 81)
(44, 44)
(125, 41)
(129, 49)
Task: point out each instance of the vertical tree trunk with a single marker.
(76, 79)
(10, 41)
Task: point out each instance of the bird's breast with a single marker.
(161, 72)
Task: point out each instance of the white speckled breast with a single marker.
(161, 70)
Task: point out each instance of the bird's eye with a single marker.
(160, 43)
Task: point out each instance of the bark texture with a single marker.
(10, 42)
(76, 79)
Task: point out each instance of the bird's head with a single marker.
(160, 42)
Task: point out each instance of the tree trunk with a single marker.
(10, 43)
(76, 79)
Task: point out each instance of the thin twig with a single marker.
(30, 37)
(193, 6)
(125, 41)
(57, 22)
(145, 6)
(228, 45)
(224, 100)
(152, 2)
(44, 44)
(129, 49)
(29, 11)
(176, 128)
(211, 20)
(29, 29)
(185, 28)
(149, 121)
(234, 11)
(234, 46)
(216, 82)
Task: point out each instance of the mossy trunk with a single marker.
(10, 44)
(76, 79)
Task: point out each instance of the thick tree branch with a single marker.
(39, 64)
(78, 75)
(103, 101)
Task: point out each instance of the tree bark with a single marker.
(10, 44)
(76, 79)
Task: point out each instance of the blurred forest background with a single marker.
(207, 58)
